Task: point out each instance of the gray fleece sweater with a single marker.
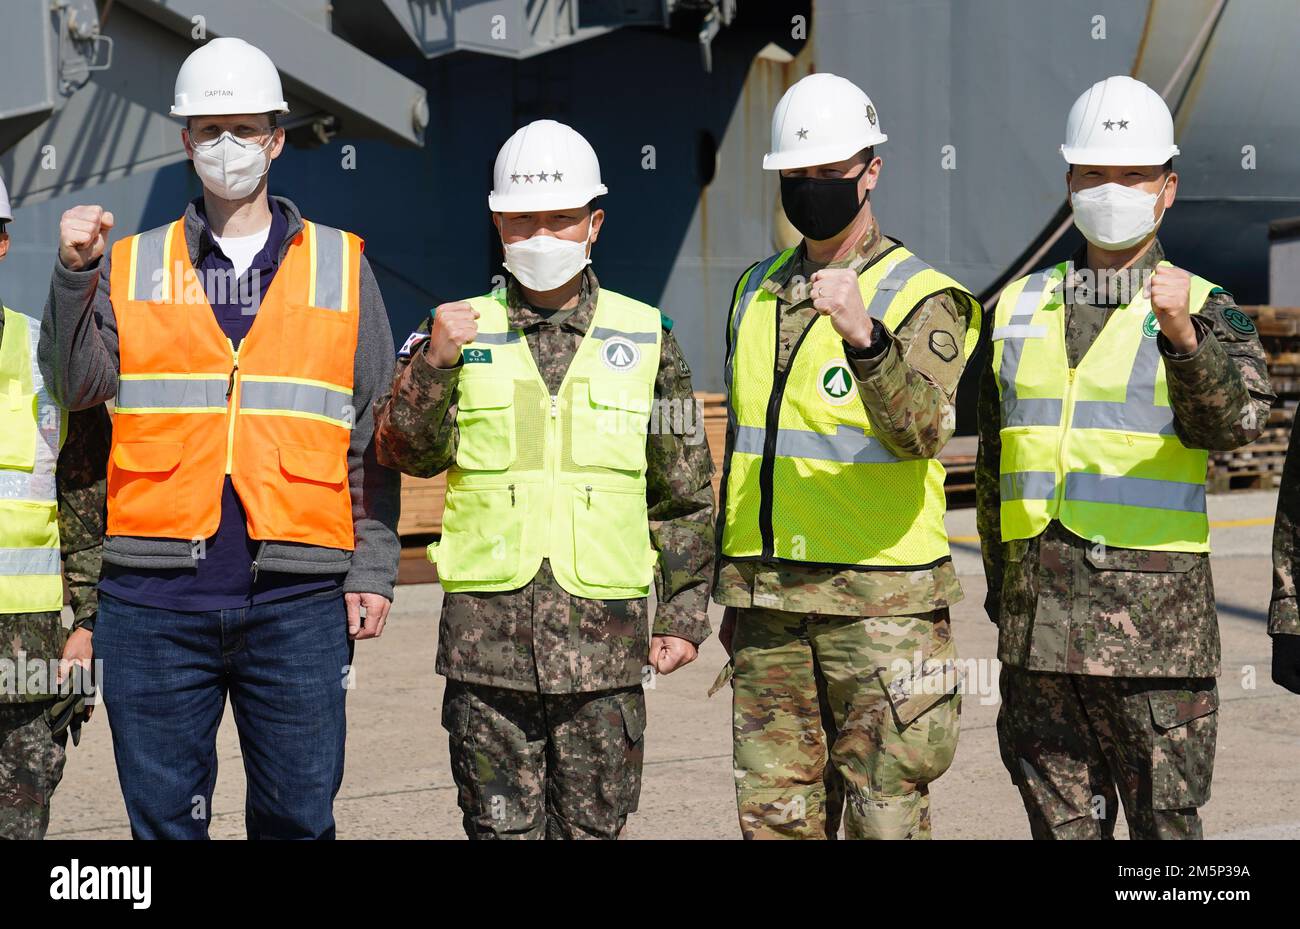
(78, 356)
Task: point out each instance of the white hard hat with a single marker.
(6, 212)
(225, 77)
(822, 118)
(1119, 121)
(545, 166)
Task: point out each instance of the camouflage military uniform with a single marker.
(544, 688)
(1109, 655)
(31, 759)
(818, 714)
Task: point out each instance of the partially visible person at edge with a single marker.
(51, 511)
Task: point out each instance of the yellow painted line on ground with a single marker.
(1214, 524)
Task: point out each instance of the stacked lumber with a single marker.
(1258, 466)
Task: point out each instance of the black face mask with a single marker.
(821, 207)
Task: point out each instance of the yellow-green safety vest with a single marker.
(559, 477)
(1093, 446)
(32, 429)
(806, 480)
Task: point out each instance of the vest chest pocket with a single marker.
(609, 424)
(485, 422)
(147, 457)
(611, 537)
(18, 437)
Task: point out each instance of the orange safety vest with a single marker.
(275, 414)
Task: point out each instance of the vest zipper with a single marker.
(588, 496)
(1067, 419)
(555, 410)
(512, 494)
(232, 405)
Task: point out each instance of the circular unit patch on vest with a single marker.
(619, 354)
(835, 383)
(1150, 328)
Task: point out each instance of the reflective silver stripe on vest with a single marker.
(150, 258)
(17, 561)
(497, 338)
(172, 393)
(330, 254)
(1028, 485)
(1087, 487)
(1044, 412)
(1041, 411)
(604, 332)
(847, 445)
(23, 485)
(1138, 412)
(894, 281)
(1019, 331)
(299, 398)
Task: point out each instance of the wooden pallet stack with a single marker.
(1258, 466)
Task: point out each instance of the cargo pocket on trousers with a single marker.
(1185, 727)
(632, 707)
(925, 708)
(456, 711)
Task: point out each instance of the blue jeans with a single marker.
(165, 676)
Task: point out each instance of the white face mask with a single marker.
(229, 168)
(1115, 217)
(545, 262)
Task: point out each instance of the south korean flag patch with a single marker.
(411, 344)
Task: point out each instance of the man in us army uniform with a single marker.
(843, 355)
(51, 510)
(1112, 375)
(561, 510)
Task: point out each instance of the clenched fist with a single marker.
(670, 652)
(453, 326)
(83, 233)
(835, 294)
(1170, 291)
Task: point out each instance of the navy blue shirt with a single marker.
(223, 578)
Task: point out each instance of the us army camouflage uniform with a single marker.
(31, 759)
(1110, 655)
(544, 704)
(819, 653)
